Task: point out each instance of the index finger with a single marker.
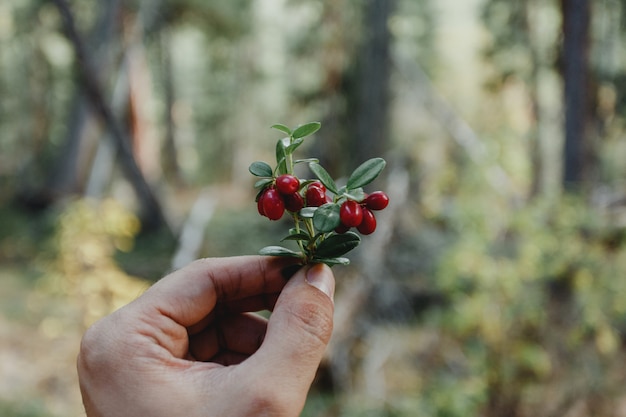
(191, 293)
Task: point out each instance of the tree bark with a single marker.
(576, 80)
(372, 83)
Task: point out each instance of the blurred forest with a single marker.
(495, 284)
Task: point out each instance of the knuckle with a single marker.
(266, 401)
(89, 356)
(95, 348)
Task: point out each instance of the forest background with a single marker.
(495, 284)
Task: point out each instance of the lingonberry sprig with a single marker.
(323, 213)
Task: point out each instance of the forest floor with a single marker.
(39, 340)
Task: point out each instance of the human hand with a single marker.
(189, 346)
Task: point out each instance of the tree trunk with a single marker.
(372, 83)
(67, 177)
(576, 80)
(169, 153)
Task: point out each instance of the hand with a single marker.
(190, 346)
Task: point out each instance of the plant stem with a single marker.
(296, 220)
(289, 157)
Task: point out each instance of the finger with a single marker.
(297, 333)
(241, 334)
(250, 304)
(245, 305)
(188, 295)
(229, 358)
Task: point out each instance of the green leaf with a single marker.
(365, 173)
(323, 176)
(356, 195)
(260, 169)
(291, 148)
(326, 217)
(281, 156)
(294, 231)
(308, 161)
(279, 251)
(331, 261)
(297, 236)
(308, 212)
(262, 183)
(306, 130)
(337, 245)
(282, 128)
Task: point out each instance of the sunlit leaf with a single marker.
(365, 173)
(323, 176)
(306, 130)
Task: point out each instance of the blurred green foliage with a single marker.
(23, 410)
(543, 286)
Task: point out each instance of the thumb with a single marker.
(298, 330)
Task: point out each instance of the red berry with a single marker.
(378, 200)
(287, 184)
(315, 196)
(351, 213)
(259, 204)
(341, 229)
(317, 184)
(273, 205)
(368, 224)
(293, 202)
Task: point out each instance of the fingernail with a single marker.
(321, 277)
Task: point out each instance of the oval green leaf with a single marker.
(282, 128)
(323, 176)
(263, 183)
(356, 195)
(260, 169)
(332, 261)
(337, 245)
(306, 130)
(296, 143)
(281, 156)
(297, 236)
(326, 217)
(365, 173)
(308, 212)
(279, 251)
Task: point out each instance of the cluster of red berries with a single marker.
(360, 215)
(280, 196)
(285, 194)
